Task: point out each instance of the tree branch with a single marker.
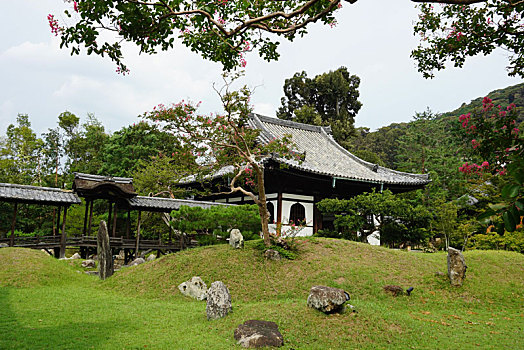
(451, 2)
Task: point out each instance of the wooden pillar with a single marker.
(128, 223)
(279, 208)
(90, 217)
(138, 234)
(63, 237)
(317, 216)
(113, 234)
(58, 213)
(54, 221)
(85, 218)
(13, 222)
(109, 217)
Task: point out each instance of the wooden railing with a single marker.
(47, 242)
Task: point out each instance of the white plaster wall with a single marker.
(306, 231)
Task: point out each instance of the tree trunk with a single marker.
(262, 206)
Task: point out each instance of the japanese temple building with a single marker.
(327, 171)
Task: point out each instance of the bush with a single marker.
(513, 241)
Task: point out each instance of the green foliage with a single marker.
(513, 241)
(329, 99)
(130, 148)
(290, 254)
(456, 32)
(495, 137)
(20, 153)
(399, 220)
(218, 220)
(220, 31)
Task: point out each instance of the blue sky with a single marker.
(373, 39)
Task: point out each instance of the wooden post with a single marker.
(85, 218)
(54, 221)
(138, 234)
(13, 222)
(58, 213)
(279, 208)
(128, 223)
(113, 234)
(63, 238)
(109, 217)
(90, 217)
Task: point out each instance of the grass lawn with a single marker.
(48, 304)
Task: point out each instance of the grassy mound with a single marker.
(20, 267)
(360, 269)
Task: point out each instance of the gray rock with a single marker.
(76, 256)
(4, 245)
(257, 334)
(327, 299)
(151, 257)
(456, 267)
(103, 250)
(194, 288)
(89, 263)
(218, 301)
(236, 240)
(272, 254)
(137, 261)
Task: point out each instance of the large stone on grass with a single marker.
(271, 254)
(151, 257)
(88, 263)
(194, 288)
(137, 261)
(257, 334)
(456, 267)
(103, 250)
(76, 256)
(218, 301)
(327, 299)
(4, 245)
(236, 240)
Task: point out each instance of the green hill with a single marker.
(511, 94)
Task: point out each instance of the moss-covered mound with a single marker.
(360, 269)
(21, 267)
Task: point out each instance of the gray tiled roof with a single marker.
(326, 157)
(161, 204)
(33, 194)
(101, 178)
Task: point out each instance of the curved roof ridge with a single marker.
(291, 124)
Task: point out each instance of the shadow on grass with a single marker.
(36, 333)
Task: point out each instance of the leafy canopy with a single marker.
(219, 30)
(328, 99)
(467, 28)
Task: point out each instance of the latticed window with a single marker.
(297, 214)
(271, 210)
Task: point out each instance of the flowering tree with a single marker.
(495, 137)
(219, 30)
(465, 28)
(223, 145)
